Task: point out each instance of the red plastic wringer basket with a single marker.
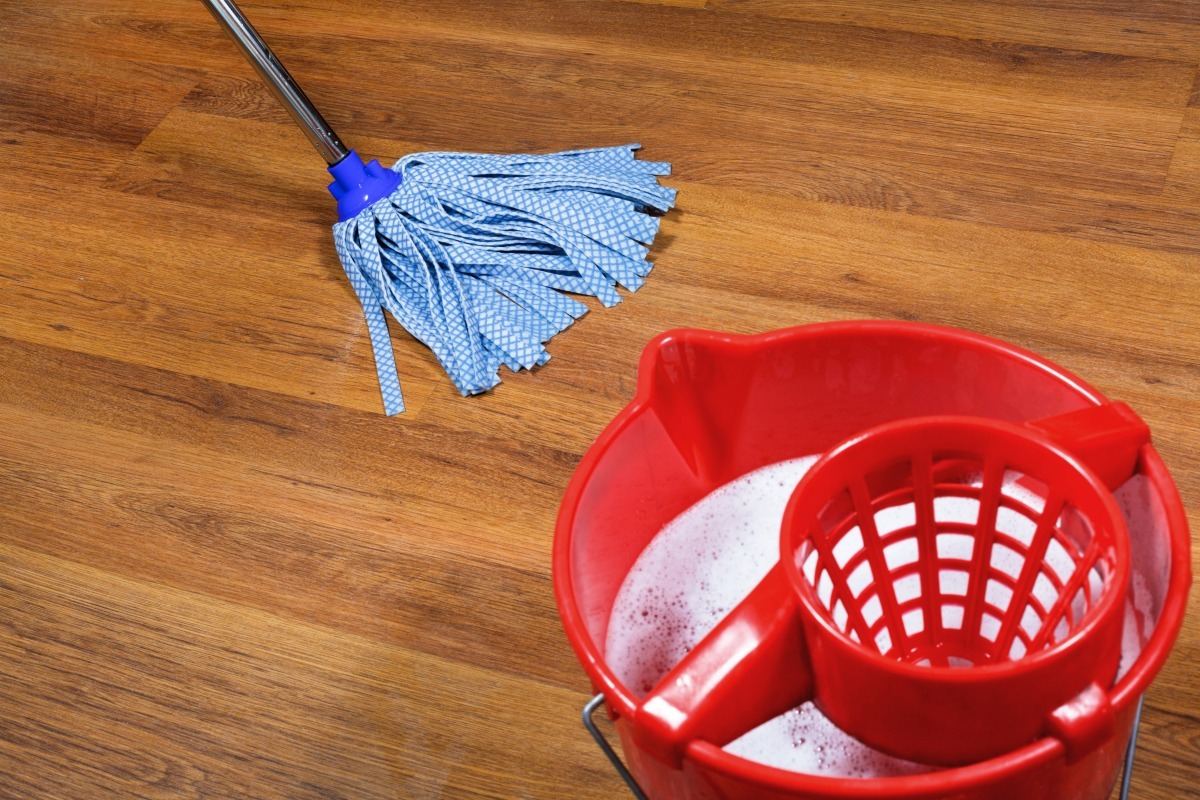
(953, 571)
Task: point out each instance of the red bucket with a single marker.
(711, 407)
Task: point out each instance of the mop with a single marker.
(474, 255)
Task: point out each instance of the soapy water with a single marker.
(706, 560)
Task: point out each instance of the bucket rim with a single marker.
(622, 702)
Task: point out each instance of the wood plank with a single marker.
(436, 477)
(404, 556)
(76, 163)
(95, 99)
(684, 3)
(235, 295)
(906, 149)
(808, 71)
(265, 170)
(1183, 177)
(911, 144)
(230, 702)
(1158, 30)
(67, 117)
(176, 33)
(1166, 754)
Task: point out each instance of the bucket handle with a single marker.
(588, 712)
(1131, 750)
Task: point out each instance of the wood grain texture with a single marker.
(224, 574)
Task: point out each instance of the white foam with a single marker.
(706, 560)
(697, 569)
(804, 740)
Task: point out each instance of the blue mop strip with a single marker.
(470, 253)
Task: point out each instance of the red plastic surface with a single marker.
(951, 672)
(1083, 723)
(753, 666)
(710, 407)
(1106, 438)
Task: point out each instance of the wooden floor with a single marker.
(224, 574)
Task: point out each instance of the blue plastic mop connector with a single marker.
(357, 185)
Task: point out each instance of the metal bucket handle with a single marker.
(589, 723)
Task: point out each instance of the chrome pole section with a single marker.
(286, 90)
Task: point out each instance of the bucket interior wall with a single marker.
(1145, 513)
(718, 411)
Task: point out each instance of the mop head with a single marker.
(473, 254)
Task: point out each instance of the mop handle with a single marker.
(286, 90)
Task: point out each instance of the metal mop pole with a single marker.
(285, 88)
(447, 297)
(356, 185)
